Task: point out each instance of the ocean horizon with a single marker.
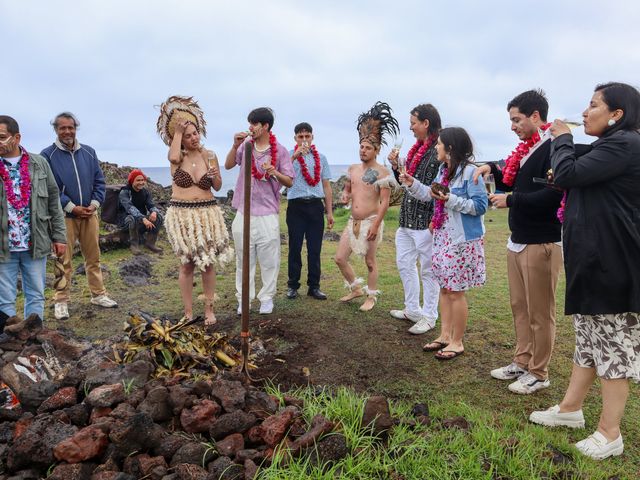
(162, 175)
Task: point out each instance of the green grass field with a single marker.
(373, 354)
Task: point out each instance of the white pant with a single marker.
(412, 245)
(264, 246)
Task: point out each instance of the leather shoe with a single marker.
(292, 293)
(317, 294)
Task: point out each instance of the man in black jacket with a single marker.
(138, 213)
(534, 254)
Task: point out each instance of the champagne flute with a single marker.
(397, 145)
(572, 122)
(402, 163)
(490, 185)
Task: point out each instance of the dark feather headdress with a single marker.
(375, 124)
(178, 109)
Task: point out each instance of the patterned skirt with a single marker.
(610, 343)
(198, 234)
(457, 266)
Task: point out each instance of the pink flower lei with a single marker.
(522, 149)
(416, 153)
(440, 213)
(25, 182)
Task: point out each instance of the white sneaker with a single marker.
(404, 315)
(510, 372)
(597, 447)
(553, 418)
(266, 307)
(422, 326)
(61, 311)
(527, 384)
(103, 301)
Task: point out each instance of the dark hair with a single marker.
(457, 143)
(624, 97)
(302, 127)
(261, 115)
(531, 101)
(68, 115)
(426, 111)
(12, 125)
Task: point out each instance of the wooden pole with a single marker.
(246, 229)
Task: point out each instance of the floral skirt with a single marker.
(610, 343)
(198, 234)
(457, 266)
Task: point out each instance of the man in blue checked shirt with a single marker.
(305, 211)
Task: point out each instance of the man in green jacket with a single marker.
(31, 220)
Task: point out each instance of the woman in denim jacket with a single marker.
(458, 230)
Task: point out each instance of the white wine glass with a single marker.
(490, 185)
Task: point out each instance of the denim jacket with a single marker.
(466, 205)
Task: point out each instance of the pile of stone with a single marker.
(82, 416)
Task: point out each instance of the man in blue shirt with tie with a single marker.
(305, 211)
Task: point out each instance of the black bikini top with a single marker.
(183, 180)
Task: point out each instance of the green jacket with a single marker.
(47, 219)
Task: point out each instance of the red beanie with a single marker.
(134, 173)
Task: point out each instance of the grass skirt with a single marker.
(198, 234)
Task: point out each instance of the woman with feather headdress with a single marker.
(194, 223)
(368, 187)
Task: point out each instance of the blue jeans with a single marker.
(33, 280)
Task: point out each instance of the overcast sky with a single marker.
(111, 62)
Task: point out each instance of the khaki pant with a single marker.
(533, 277)
(86, 230)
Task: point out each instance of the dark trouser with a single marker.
(129, 221)
(305, 219)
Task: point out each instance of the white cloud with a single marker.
(111, 62)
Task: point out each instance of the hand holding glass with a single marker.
(490, 185)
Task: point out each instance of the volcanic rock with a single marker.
(238, 421)
(106, 395)
(156, 404)
(65, 397)
(224, 469)
(88, 443)
(193, 452)
(201, 417)
(230, 394)
(78, 471)
(274, 428)
(377, 416)
(230, 445)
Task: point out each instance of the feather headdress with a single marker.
(376, 123)
(178, 109)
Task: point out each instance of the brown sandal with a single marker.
(438, 346)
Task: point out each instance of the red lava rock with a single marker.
(319, 426)
(65, 397)
(273, 428)
(235, 422)
(112, 475)
(201, 417)
(98, 413)
(78, 471)
(88, 443)
(106, 395)
(376, 413)
(230, 394)
(189, 471)
(254, 434)
(22, 425)
(228, 446)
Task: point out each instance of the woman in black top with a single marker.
(601, 239)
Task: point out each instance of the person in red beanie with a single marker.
(138, 213)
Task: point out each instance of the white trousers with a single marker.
(264, 246)
(411, 246)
